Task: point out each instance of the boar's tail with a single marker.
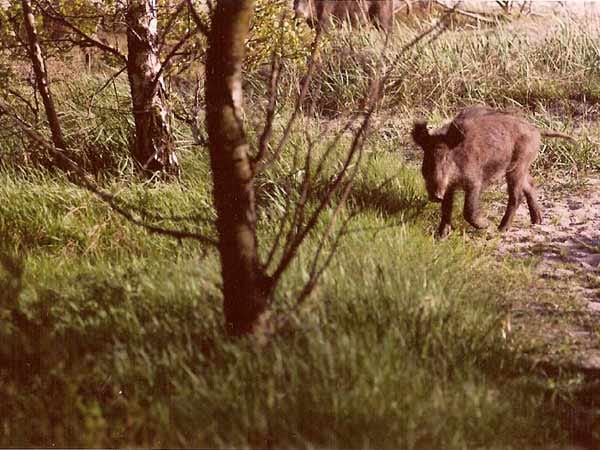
(556, 134)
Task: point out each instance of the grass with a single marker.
(114, 337)
(124, 345)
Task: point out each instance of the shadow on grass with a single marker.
(577, 404)
(387, 202)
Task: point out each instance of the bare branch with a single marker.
(262, 164)
(342, 182)
(272, 93)
(465, 13)
(298, 218)
(317, 272)
(166, 64)
(432, 33)
(303, 232)
(104, 86)
(34, 108)
(280, 230)
(273, 85)
(197, 19)
(169, 25)
(199, 139)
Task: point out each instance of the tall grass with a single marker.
(529, 66)
(551, 77)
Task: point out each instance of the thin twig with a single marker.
(455, 9)
(166, 64)
(270, 117)
(194, 121)
(298, 217)
(112, 77)
(262, 164)
(287, 210)
(169, 25)
(280, 229)
(304, 231)
(34, 109)
(197, 19)
(316, 273)
(296, 237)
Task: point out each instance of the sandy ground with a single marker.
(569, 7)
(567, 242)
(566, 248)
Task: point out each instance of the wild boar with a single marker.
(479, 146)
(317, 12)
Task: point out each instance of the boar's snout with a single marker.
(435, 190)
(437, 198)
(435, 195)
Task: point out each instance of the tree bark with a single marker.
(41, 78)
(153, 149)
(245, 284)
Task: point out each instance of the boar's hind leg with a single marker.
(530, 195)
(515, 182)
(446, 222)
(472, 211)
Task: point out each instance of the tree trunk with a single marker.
(41, 78)
(153, 149)
(245, 285)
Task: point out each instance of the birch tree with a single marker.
(41, 76)
(153, 148)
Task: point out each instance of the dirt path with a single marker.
(538, 7)
(563, 308)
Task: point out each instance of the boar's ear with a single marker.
(454, 135)
(420, 134)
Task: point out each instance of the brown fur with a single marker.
(317, 12)
(479, 146)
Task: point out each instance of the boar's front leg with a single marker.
(446, 222)
(472, 211)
